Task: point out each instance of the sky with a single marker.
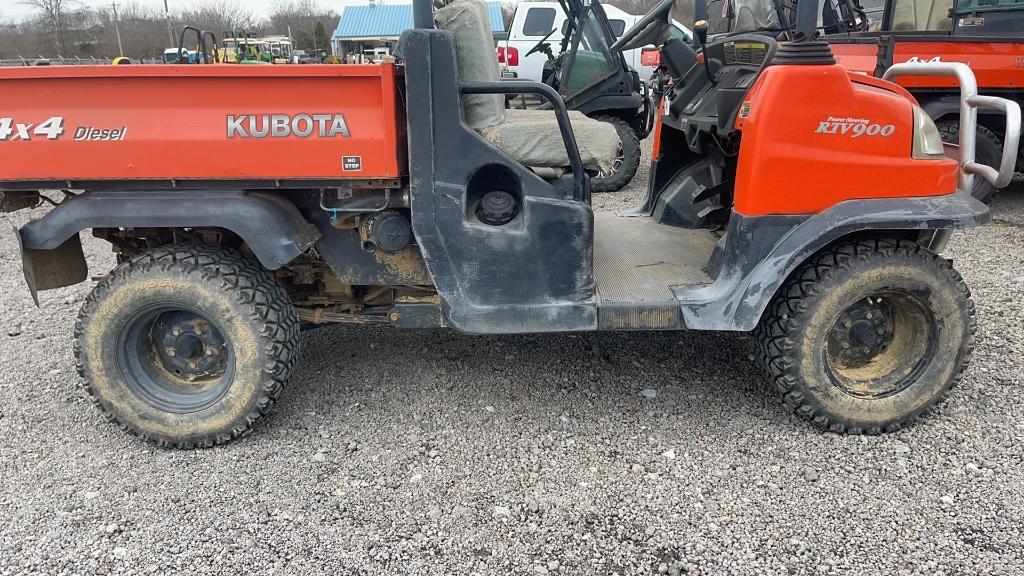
(15, 10)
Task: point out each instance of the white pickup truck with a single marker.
(532, 21)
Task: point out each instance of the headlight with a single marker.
(927, 142)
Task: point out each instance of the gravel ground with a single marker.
(436, 453)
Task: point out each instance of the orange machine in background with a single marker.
(996, 65)
(201, 123)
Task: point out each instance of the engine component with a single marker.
(388, 230)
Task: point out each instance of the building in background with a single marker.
(369, 32)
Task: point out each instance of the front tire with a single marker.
(186, 346)
(867, 335)
(988, 151)
(627, 162)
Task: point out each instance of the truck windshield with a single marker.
(966, 6)
(592, 61)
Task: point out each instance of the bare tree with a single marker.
(55, 14)
(308, 22)
(143, 30)
(295, 8)
(508, 9)
(220, 16)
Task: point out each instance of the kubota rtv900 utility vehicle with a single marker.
(403, 194)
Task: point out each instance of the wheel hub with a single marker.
(878, 344)
(188, 346)
(863, 331)
(863, 334)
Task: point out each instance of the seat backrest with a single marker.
(469, 22)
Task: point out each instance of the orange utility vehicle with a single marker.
(987, 35)
(404, 194)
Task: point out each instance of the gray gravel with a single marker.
(436, 453)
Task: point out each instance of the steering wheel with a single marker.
(652, 28)
(542, 42)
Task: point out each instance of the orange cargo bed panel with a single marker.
(995, 64)
(194, 122)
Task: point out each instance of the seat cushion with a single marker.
(532, 138)
(470, 25)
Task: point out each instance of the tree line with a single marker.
(69, 29)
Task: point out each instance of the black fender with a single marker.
(271, 226)
(758, 253)
(937, 106)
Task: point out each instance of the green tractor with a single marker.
(241, 47)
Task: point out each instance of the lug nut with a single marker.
(171, 352)
(210, 351)
(176, 332)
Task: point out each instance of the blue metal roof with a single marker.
(383, 20)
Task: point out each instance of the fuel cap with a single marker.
(497, 208)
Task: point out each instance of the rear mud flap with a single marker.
(48, 269)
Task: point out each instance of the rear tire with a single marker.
(626, 164)
(988, 151)
(186, 346)
(867, 335)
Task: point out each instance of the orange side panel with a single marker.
(201, 122)
(813, 138)
(995, 64)
(656, 148)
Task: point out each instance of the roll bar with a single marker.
(423, 14)
(970, 101)
(581, 184)
(201, 36)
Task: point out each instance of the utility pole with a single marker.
(117, 29)
(170, 28)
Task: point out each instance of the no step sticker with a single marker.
(351, 163)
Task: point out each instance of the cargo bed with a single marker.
(95, 127)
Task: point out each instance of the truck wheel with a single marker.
(867, 335)
(626, 163)
(988, 151)
(186, 346)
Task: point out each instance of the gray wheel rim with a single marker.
(174, 358)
